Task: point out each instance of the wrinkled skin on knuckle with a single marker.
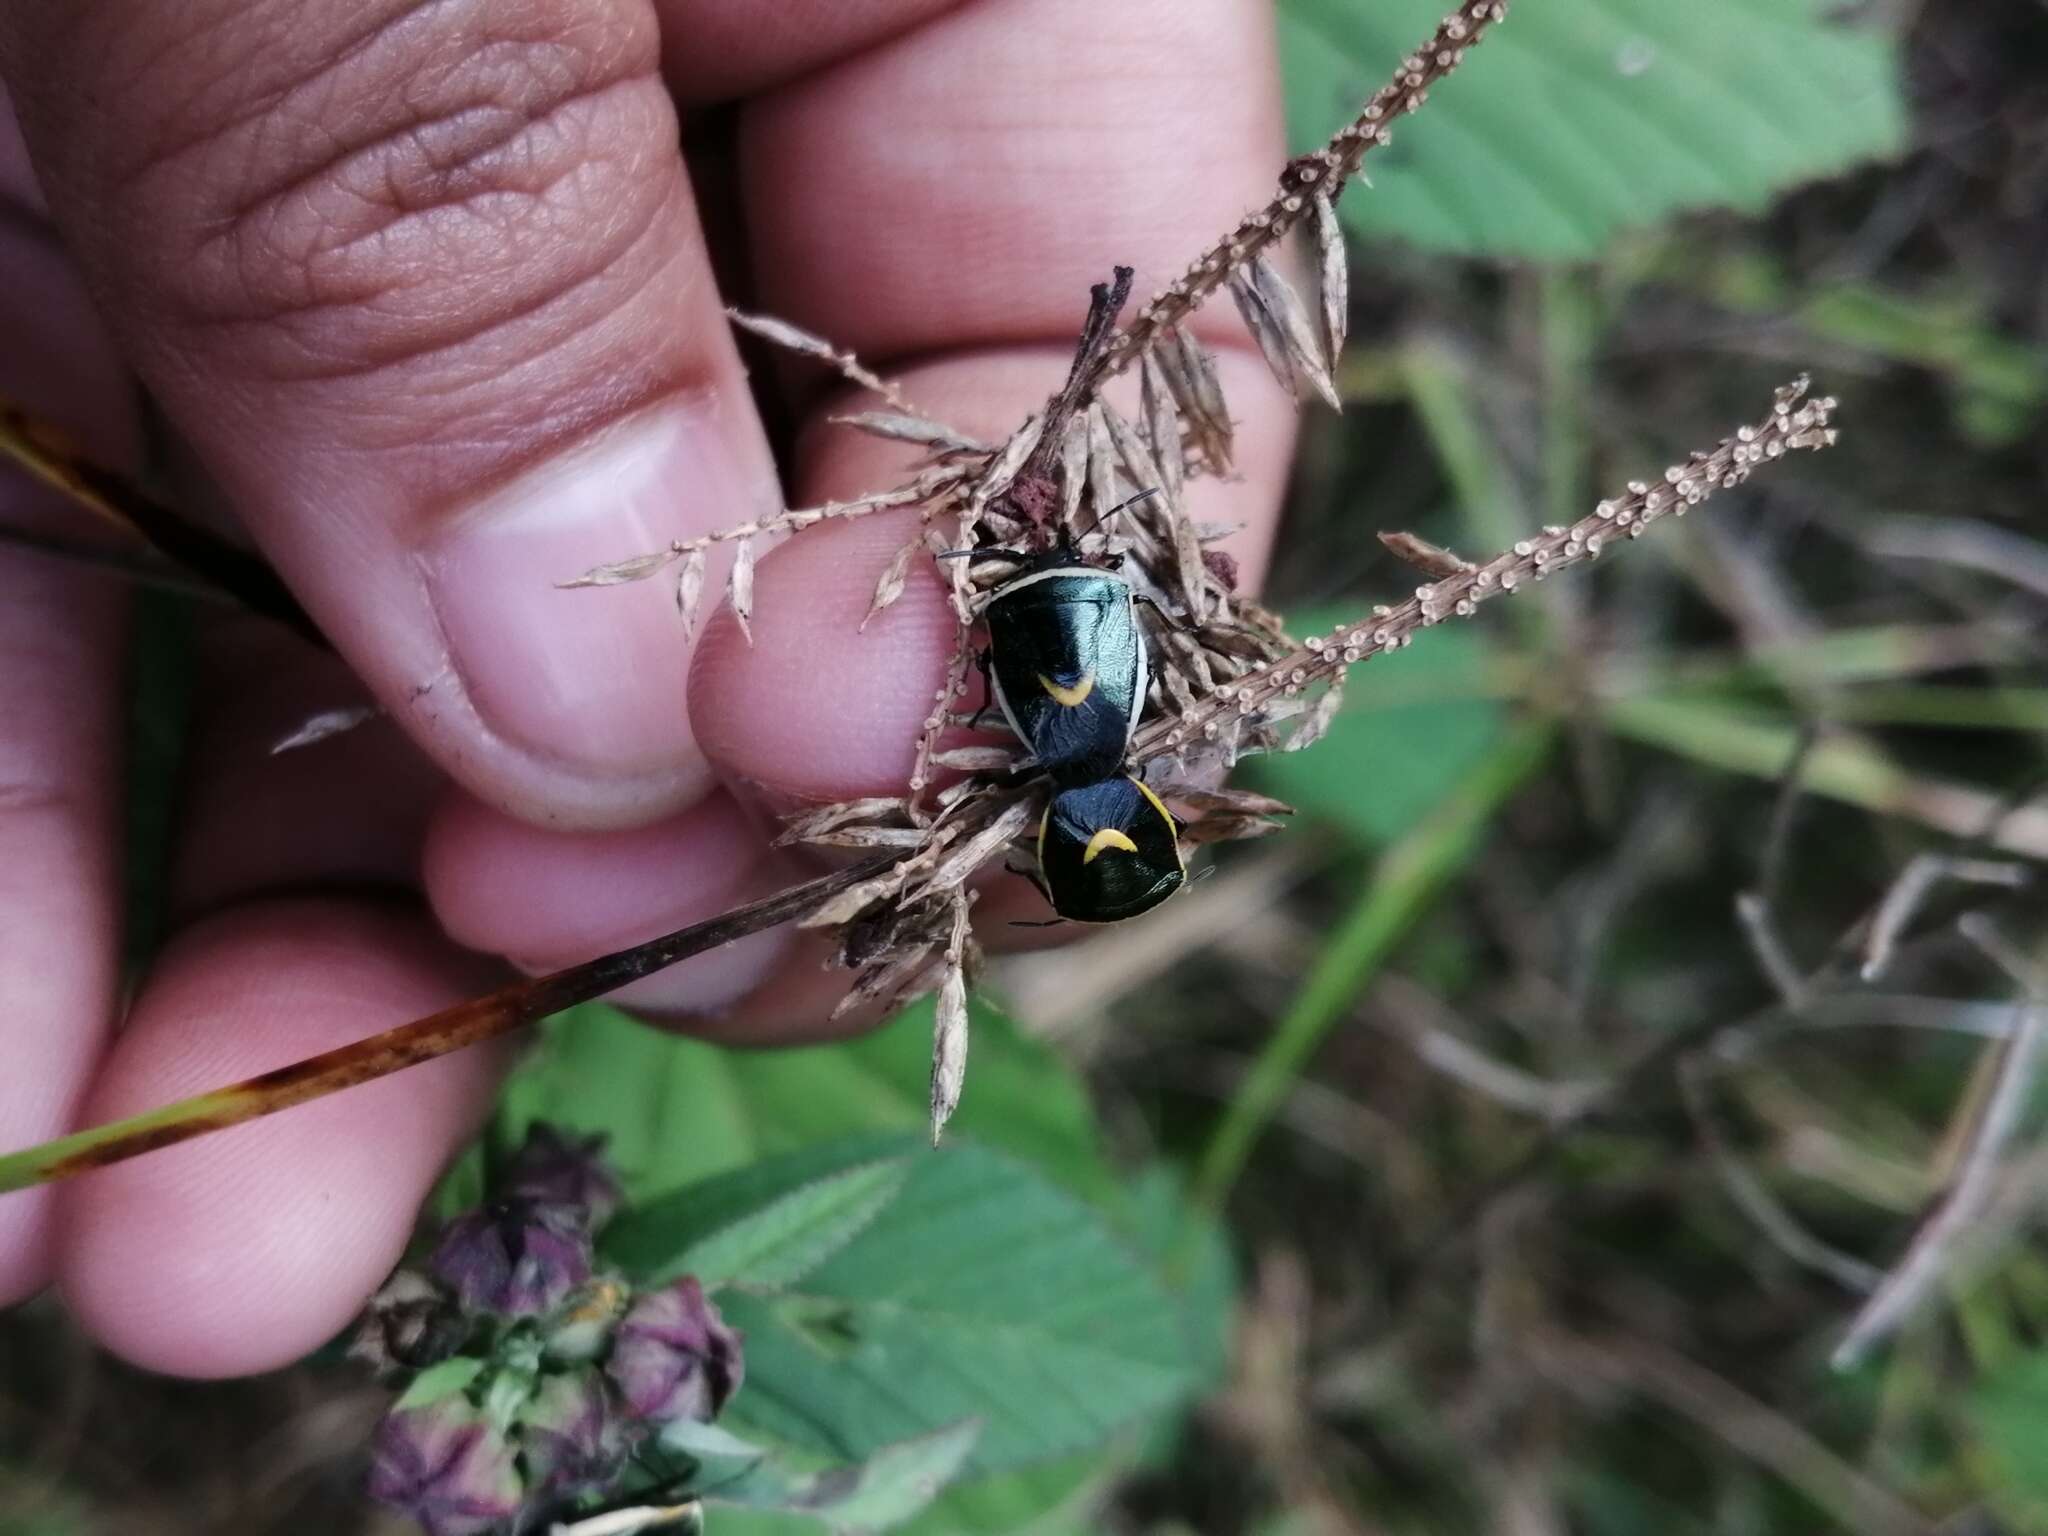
(449, 191)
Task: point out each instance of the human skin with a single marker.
(424, 289)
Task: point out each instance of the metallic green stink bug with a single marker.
(1108, 851)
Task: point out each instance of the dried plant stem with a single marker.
(452, 1029)
(1841, 769)
(1773, 957)
(1750, 1195)
(1929, 1257)
(1908, 893)
(1793, 423)
(1853, 1500)
(221, 568)
(942, 708)
(920, 490)
(949, 1021)
(795, 339)
(1312, 179)
(1446, 1052)
(143, 565)
(1400, 887)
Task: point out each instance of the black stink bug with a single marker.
(1108, 851)
(1066, 665)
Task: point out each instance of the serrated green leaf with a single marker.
(981, 1292)
(1576, 119)
(678, 1111)
(1412, 726)
(779, 1240)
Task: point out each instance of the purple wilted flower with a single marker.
(572, 1436)
(408, 1325)
(514, 1258)
(564, 1169)
(674, 1358)
(442, 1464)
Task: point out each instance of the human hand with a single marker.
(426, 291)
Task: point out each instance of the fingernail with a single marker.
(593, 678)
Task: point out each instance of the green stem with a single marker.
(1843, 769)
(1401, 887)
(40, 1163)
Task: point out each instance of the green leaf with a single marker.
(1413, 725)
(981, 1292)
(679, 1110)
(1188, 1246)
(719, 1455)
(878, 1494)
(1015, 1501)
(892, 1485)
(1579, 118)
(2009, 1410)
(778, 1237)
(447, 1379)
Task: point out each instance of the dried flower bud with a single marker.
(514, 1258)
(572, 1436)
(408, 1325)
(674, 1358)
(445, 1466)
(559, 1168)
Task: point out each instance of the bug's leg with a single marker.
(988, 687)
(1030, 872)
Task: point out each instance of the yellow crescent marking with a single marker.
(1108, 837)
(1172, 826)
(1068, 696)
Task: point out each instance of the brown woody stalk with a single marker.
(219, 568)
(452, 1029)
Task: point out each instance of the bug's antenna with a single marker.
(982, 554)
(1128, 501)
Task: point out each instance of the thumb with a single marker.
(424, 286)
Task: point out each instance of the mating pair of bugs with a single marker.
(1066, 664)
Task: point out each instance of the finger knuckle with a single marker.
(465, 182)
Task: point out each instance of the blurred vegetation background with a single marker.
(1532, 1078)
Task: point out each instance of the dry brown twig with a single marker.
(1227, 679)
(1930, 1256)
